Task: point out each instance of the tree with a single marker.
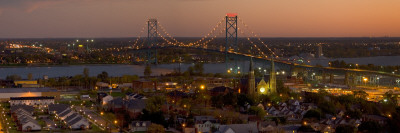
(190, 70)
(313, 114)
(154, 117)
(155, 128)
(390, 98)
(103, 76)
(30, 77)
(147, 70)
(370, 127)
(13, 77)
(254, 110)
(345, 129)
(86, 76)
(354, 114)
(360, 94)
(199, 68)
(86, 72)
(153, 104)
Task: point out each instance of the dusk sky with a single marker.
(195, 18)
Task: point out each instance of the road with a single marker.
(97, 119)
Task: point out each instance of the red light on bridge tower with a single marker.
(231, 14)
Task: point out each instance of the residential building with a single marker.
(144, 85)
(139, 126)
(205, 124)
(238, 128)
(34, 101)
(23, 115)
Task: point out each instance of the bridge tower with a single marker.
(152, 35)
(231, 40)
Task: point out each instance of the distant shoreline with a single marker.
(107, 64)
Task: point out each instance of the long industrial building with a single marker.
(6, 93)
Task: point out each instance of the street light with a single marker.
(365, 80)
(115, 122)
(202, 87)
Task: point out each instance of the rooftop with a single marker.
(30, 98)
(21, 90)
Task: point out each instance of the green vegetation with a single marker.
(388, 69)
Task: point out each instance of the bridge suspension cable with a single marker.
(253, 44)
(210, 33)
(205, 44)
(134, 45)
(258, 38)
(168, 35)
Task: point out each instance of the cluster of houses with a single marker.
(292, 111)
(132, 103)
(71, 118)
(23, 117)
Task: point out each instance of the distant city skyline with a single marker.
(195, 18)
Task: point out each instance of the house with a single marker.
(18, 108)
(238, 128)
(70, 117)
(205, 123)
(102, 85)
(176, 95)
(100, 96)
(168, 86)
(267, 127)
(379, 119)
(125, 85)
(144, 85)
(116, 105)
(212, 82)
(76, 121)
(35, 101)
(139, 126)
(131, 96)
(85, 97)
(106, 99)
(134, 107)
(27, 123)
(326, 129)
(23, 115)
(290, 128)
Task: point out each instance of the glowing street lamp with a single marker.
(202, 87)
(365, 80)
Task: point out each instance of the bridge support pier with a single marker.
(331, 78)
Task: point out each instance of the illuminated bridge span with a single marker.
(235, 50)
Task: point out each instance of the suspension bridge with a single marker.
(238, 50)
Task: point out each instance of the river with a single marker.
(119, 69)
